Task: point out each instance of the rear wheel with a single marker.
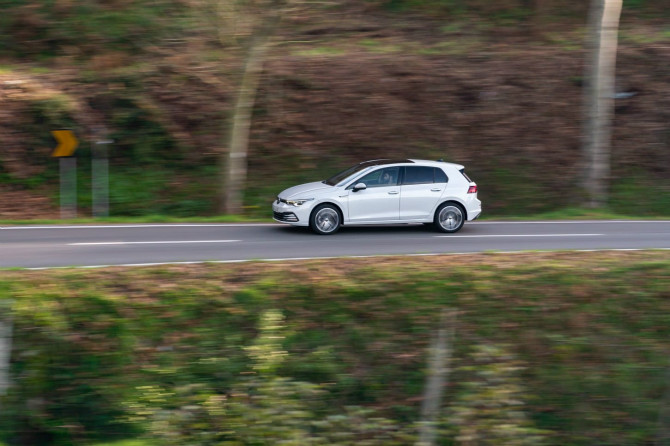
(325, 219)
(449, 218)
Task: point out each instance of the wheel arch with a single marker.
(454, 201)
(332, 203)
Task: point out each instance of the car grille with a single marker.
(285, 216)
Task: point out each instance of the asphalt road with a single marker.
(59, 246)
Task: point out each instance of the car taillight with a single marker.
(472, 189)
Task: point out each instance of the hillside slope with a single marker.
(352, 84)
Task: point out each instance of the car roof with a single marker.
(384, 161)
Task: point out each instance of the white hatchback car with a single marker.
(383, 191)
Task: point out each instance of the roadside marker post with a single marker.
(100, 173)
(67, 145)
(5, 345)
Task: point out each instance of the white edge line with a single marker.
(166, 242)
(296, 259)
(519, 235)
(494, 222)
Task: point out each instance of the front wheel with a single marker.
(325, 219)
(449, 218)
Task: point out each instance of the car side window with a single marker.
(418, 175)
(440, 176)
(381, 177)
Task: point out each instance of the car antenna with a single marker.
(441, 160)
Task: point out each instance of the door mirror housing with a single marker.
(359, 186)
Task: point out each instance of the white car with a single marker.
(383, 191)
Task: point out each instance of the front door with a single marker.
(380, 201)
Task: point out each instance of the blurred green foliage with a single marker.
(490, 408)
(48, 28)
(546, 345)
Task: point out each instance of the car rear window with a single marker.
(424, 175)
(440, 176)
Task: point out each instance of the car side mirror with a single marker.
(359, 186)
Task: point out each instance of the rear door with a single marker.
(422, 187)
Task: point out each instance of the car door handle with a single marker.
(436, 190)
(393, 192)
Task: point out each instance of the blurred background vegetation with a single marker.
(496, 86)
(546, 349)
(550, 348)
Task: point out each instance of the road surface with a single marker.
(102, 245)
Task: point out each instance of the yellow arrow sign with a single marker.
(67, 143)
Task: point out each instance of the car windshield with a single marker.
(335, 179)
(338, 178)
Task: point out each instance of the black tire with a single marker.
(449, 217)
(325, 219)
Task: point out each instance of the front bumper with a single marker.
(293, 215)
(285, 217)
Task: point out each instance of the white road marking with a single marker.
(166, 242)
(561, 222)
(519, 235)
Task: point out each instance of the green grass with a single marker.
(142, 219)
(580, 214)
(125, 443)
(320, 51)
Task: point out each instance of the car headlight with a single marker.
(299, 202)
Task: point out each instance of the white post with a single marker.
(68, 187)
(5, 346)
(100, 180)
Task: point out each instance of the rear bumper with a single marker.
(473, 208)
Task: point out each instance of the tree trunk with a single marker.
(235, 159)
(663, 437)
(599, 98)
(437, 378)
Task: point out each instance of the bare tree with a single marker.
(599, 98)
(247, 26)
(438, 372)
(663, 437)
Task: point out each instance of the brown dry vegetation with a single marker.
(352, 84)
